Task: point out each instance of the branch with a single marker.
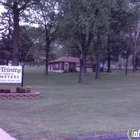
(27, 4)
(80, 47)
(6, 4)
(53, 34)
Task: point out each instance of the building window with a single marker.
(89, 66)
(56, 66)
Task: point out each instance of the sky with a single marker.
(1, 9)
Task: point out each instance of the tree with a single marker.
(6, 37)
(120, 17)
(16, 7)
(101, 17)
(37, 49)
(46, 16)
(26, 43)
(132, 29)
(136, 44)
(126, 48)
(77, 24)
(82, 22)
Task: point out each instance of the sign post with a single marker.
(22, 80)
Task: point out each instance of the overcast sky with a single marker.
(1, 9)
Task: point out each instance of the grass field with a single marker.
(109, 105)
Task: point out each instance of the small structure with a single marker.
(70, 64)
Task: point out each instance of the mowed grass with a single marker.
(109, 105)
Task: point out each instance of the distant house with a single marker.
(69, 64)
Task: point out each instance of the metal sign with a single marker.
(10, 74)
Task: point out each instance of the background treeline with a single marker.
(37, 31)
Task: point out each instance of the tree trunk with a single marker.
(47, 50)
(47, 61)
(82, 71)
(108, 58)
(15, 57)
(134, 56)
(126, 65)
(98, 57)
(7, 61)
(134, 62)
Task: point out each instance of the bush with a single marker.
(22, 90)
(1, 90)
(28, 89)
(71, 70)
(7, 90)
(18, 89)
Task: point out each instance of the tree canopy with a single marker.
(88, 28)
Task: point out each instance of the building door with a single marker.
(66, 66)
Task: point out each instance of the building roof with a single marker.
(70, 59)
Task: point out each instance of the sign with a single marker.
(132, 134)
(10, 74)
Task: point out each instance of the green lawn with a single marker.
(109, 105)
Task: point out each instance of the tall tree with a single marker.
(136, 44)
(6, 37)
(83, 20)
(132, 28)
(119, 18)
(76, 25)
(26, 42)
(126, 47)
(16, 7)
(46, 16)
(102, 16)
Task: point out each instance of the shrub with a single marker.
(17, 89)
(22, 90)
(28, 89)
(1, 90)
(71, 70)
(7, 90)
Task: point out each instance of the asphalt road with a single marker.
(5, 136)
(111, 138)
